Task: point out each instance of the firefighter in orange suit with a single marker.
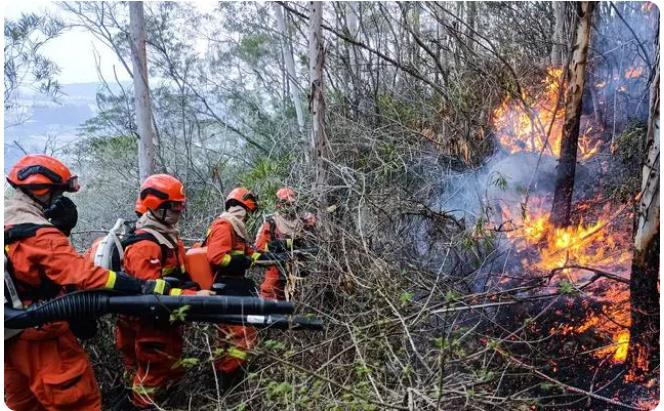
(151, 351)
(230, 254)
(45, 367)
(281, 232)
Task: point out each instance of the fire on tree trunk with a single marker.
(644, 296)
(576, 78)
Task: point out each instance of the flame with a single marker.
(622, 342)
(647, 6)
(602, 245)
(590, 245)
(524, 129)
(634, 72)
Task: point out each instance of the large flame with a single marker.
(522, 124)
(602, 245)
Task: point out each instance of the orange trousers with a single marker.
(150, 355)
(273, 284)
(236, 342)
(49, 371)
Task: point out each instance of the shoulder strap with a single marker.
(273, 228)
(22, 231)
(135, 238)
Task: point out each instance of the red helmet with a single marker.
(161, 191)
(140, 208)
(242, 196)
(40, 174)
(286, 195)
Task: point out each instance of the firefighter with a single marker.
(45, 367)
(230, 254)
(151, 351)
(281, 232)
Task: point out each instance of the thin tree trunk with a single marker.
(643, 354)
(576, 79)
(472, 17)
(559, 49)
(319, 143)
(143, 105)
(290, 67)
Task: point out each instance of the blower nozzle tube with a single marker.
(86, 305)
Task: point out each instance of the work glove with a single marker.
(239, 262)
(279, 246)
(63, 214)
(270, 256)
(159, 287)
(127, 284)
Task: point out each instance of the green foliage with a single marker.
(253, 46)
(406, 297)
(274, 345)
(499, 181)
(451, 296)
(567, 288)
(179, 314)
(25, 66)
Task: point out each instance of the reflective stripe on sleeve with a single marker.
(237, 353)
(110, 281)
(226, 260)
(159, 286)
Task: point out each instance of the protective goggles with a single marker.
(178, 206)
(71, 185)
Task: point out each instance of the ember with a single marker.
(634, 72)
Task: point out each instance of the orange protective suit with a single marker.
(45, 367)
(150, 352)
(273, 284)
(236, 340)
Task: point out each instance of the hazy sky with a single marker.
(73, 50)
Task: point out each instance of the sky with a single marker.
(73, 51)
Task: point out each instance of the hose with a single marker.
(90, 304)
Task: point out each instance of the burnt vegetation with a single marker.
(442, 282)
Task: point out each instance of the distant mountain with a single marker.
(42, 119)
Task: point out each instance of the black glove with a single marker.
(239, 286)
(127, 284)
(278, 246)
(156, 287)
(269, 256)
(63, 214)
(239, 262)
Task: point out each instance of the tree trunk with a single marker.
(559, 48)
(319, 144)
(643, 354)
(576, 79)
(290, 67)
(472, 17)
(143, 105)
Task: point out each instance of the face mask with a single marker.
(62, 213)
(172, 217)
